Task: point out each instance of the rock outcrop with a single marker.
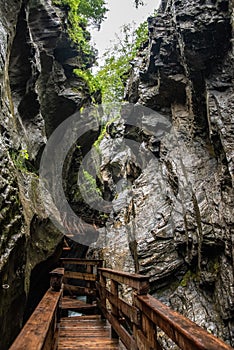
(173, 210)
(38, 91)
(178, 225)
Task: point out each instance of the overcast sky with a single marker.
(120, 12)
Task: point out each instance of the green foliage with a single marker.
(93, 11)
(23, 154)
(100, 137)
(189, 276)
(113, 75)
(76, 26)
(92, 185)
(19, 159)
(79, 14)
(103, 133)
(88, 77)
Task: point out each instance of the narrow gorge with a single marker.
(173, 215)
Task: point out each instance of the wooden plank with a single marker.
(185, 333)
(114, 308)
(59, 271)
(77, 261)
(142, 342)
(34, 334)
(85, 334)
(136, 281)
(102, 296)
(81, 318)
(80, 276)
(125, 337)
(79, 290)
(69, 303)
(128, 310)
(149, 330)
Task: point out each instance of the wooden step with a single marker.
(82, 318)
(84, 333)
(73, 304)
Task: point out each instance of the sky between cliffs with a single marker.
(120, 12)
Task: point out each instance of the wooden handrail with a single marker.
(88, 274)
(78, 261)
(136, 324)
(185, 333)
(123, 317)
(40, 331)
(138, 282)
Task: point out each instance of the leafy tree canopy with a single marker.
(94, 11)
(138, 3)
(111, 79)
(80, 13)
(114, 73)
(89, 11)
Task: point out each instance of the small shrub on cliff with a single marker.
(80, 13)
(89, 78)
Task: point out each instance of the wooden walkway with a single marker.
(83, 286)
(84, 333)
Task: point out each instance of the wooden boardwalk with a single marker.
(106, 315)
(84, 333)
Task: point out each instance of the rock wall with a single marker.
(178, 226)
(173, 219)
(38, 91)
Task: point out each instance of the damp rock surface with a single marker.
(38, 91)
(172, 217)
(176, 224)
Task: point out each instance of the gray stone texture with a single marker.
(178, 225)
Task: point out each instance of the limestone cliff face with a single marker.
(37, 93)
(178, 226)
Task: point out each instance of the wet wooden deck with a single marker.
(84, 333)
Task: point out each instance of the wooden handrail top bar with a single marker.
(80, 275)
(79, 261)
(136, 281)
(35, 331)
(185, 333)
(133, 276)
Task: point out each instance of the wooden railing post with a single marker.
(89, 284)
(150, 332)
(102, 294)
(114, 309)
(56, 278)
(145, 333)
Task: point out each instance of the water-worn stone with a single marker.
(181, 211)
(173, 207)
(38, 91)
